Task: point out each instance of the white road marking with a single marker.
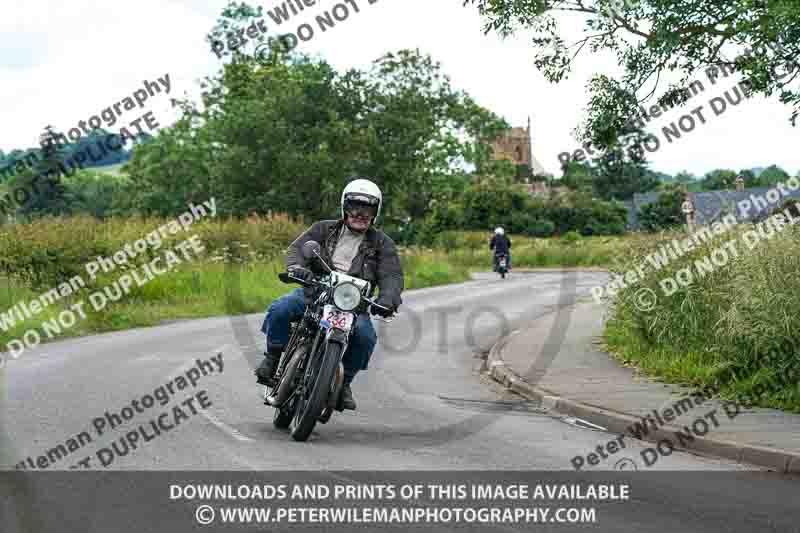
(233, 432)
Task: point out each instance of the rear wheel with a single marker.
(314, 396)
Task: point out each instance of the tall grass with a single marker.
(236, 274)
(736, 328)
(471, 250)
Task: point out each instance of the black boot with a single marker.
(266, 370)
(347, 398)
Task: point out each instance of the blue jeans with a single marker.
(289, 308)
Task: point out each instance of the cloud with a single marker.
(65, 61)
(23, 51)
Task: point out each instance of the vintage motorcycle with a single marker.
(502, 265)
(310, 375)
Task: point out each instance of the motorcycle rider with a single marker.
(348, 245)
(501, 245)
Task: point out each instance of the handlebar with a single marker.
(287, 277)
(387, 319)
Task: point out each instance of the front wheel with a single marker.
(503, 274)
(316, 387)
(282, 418)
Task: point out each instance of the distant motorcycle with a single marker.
(502, 265)
(310, 374)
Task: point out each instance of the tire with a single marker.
(308, 410)
(503, 274)
(281, 419)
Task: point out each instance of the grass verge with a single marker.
(46, 252)
(735, 326)
(198, 290)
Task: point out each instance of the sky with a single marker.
(63, 62)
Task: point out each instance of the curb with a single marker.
(782, 461)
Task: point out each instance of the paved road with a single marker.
(423, 405)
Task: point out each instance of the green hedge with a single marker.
(49, 251)
(487, 205)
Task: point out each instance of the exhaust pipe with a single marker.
(284, 388)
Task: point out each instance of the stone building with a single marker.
(515, 146)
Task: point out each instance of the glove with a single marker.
(381, 312)
(308, 295)
(301, 273)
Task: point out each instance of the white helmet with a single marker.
(499, 231)
(362, 191)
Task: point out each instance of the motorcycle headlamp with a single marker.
(346, 296)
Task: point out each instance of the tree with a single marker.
(99, 195)
(578, 176)
(663, 177)
(620, 179)
(232, 17)
(719, 180)
(655, 40)
(42, 182)
(491, 203)
(664, 213)
(750, 179)
(287, 133)
(621, 169)
(497, 169)
(422, 127)
(772, 175)
(523, 173)
(685, 177)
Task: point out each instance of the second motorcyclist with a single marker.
(501, 245)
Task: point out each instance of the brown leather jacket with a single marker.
(376, 261)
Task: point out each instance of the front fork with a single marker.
(342, 338)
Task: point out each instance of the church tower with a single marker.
(515, 145)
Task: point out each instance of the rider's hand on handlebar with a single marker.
(385, 313)
(301, 273)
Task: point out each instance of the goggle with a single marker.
(360, 210)
(361, 206)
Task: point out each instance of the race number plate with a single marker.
(503, 262)
(337, 319)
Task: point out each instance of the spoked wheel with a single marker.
(281, 418)
(313, 393)
(335, 397)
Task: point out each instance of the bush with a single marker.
(541, 229)
(571, 237)
(789, 204)
(665, 213)
(490, 204)
(49, 251)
